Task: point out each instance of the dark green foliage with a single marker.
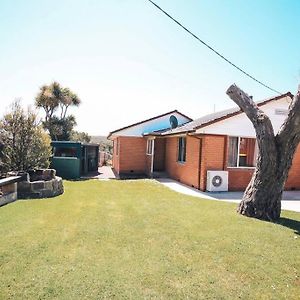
(80, 137)
(25, 145)
(60, 129)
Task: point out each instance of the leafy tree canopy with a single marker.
(24, 143)
(55, 100)
(80, 137)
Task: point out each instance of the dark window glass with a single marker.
(182, 149)
(65, 152)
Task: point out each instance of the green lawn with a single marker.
(138, 239)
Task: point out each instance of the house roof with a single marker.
(214, 117)
(144, 121)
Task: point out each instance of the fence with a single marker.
(104, 158)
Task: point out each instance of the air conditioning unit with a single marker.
(217, 181)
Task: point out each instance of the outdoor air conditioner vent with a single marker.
(217, 181)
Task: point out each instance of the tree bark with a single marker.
(262, 198)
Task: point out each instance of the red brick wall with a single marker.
(184, 172)
(293, 181)
(238, 179)
(132, 155)
(212, 150)
(115, 159)
(213, 156)
(148, 165)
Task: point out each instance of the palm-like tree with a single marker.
(50, 98)
(68, 99)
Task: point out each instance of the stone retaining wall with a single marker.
(8, 190)
(40, 184)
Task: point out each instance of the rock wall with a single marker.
(8, 193)
(40, 184)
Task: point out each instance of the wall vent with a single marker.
(281, 111)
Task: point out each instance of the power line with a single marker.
(212, 49)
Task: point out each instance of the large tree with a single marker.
(55, 100)
(262, 198)
(25, 144)
(79, 136)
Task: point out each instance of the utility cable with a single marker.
(213, 50)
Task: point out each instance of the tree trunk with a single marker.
(262, 198)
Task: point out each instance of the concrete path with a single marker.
(106, 172)
(103, 173)
(290, 199)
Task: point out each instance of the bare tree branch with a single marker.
(249, 107)
(261, 122)
(291, 126)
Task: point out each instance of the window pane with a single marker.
(232, 151)
(184, 149)
(247, 151)
(149, 146)
(181, 149)
(65, 152)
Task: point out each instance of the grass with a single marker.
(138, 239)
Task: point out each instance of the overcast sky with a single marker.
(127, 61)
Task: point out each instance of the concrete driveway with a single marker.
(290, 199)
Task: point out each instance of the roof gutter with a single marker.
(239, 111)
(179, 133)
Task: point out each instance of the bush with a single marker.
(25, 145)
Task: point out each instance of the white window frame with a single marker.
(150, 147)
(238, 152)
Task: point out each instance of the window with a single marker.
(65, 151)
(181, 149)
(149, 147)
(242, 152)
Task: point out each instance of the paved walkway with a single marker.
(106, 172)
(290, 199)
(103, 173)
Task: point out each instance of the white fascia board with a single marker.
(150, 126)
(240, 125)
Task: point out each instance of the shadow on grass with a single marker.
(289, 223)
(82, 179)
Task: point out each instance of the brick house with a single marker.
(187, 149)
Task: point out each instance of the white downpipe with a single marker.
(238, 151)
(152, 158)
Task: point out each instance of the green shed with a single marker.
(71, 160)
